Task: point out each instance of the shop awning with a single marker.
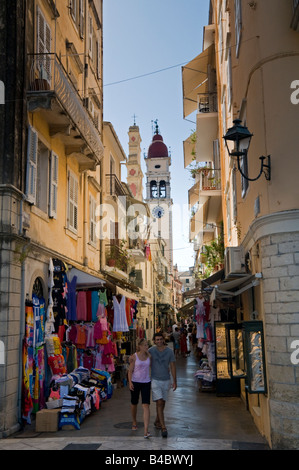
(216, 277)
(127, 294)
(187, 307)
(85, 279)
(241, 284)
(195, 79)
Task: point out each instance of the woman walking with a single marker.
(140, 382)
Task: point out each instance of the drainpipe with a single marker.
(85, 220)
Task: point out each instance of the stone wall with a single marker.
(10, 335)
(280, 267)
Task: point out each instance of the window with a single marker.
(53, 185)
(238, 25)
(81, 18)
(229, 79)
(42, 175)
(44, 40)
(162, 189)
(244, 168)
(90, 36)
(153, 189)
(92, 220)
(98, 65)
(73, 190)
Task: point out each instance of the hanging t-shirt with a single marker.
(103, 297)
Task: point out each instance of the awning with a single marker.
(125, 293)
(244, 283)
(195, 79)
(216, 277)
(85, 279)
(187, 307)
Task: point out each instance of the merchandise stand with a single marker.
(205, 316)
(77, 348)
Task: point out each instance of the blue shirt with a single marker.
(160, 363)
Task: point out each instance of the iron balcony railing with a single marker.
(114, 187)
(47, 74)
(210, 179)
(207, 103)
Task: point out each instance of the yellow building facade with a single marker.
(257, 54)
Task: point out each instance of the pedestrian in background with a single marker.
(140, 383)
(162, 365)
(176, 341)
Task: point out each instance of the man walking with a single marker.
(162, 359)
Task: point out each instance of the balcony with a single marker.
(208, 184)
(137, 250)
(116, 259)
(206, 125)
(52, 94)
(205, 200)
(114, 187)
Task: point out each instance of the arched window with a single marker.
(37, 288)
(154, 189)
(162, 189)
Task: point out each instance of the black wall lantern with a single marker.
(241, 137)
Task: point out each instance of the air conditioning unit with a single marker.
(234, 261)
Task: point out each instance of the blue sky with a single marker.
(142, 37)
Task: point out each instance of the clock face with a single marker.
(158, 212)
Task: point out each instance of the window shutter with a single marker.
(44, 39)
(73, 203)
(238, 25)
(81, 19)
(31, 165)
(92, 221)
(53, 185)
(90, 36)
(98, 60)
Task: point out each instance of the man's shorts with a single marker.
(144, 389)
(160, 389)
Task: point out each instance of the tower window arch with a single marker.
(162, 189)
(154, 189)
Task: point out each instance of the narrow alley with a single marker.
(195, 421)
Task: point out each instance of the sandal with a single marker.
(147, 435)
(134, 427)
(164, 432)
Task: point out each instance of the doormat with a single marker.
(75, 446)
(249, 446)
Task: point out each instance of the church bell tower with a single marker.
(158, 195)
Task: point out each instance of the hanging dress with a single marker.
(120, 320)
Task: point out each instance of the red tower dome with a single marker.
(157, 148)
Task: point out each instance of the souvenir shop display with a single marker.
(240, 355)
(204, 318)
(75, 346)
